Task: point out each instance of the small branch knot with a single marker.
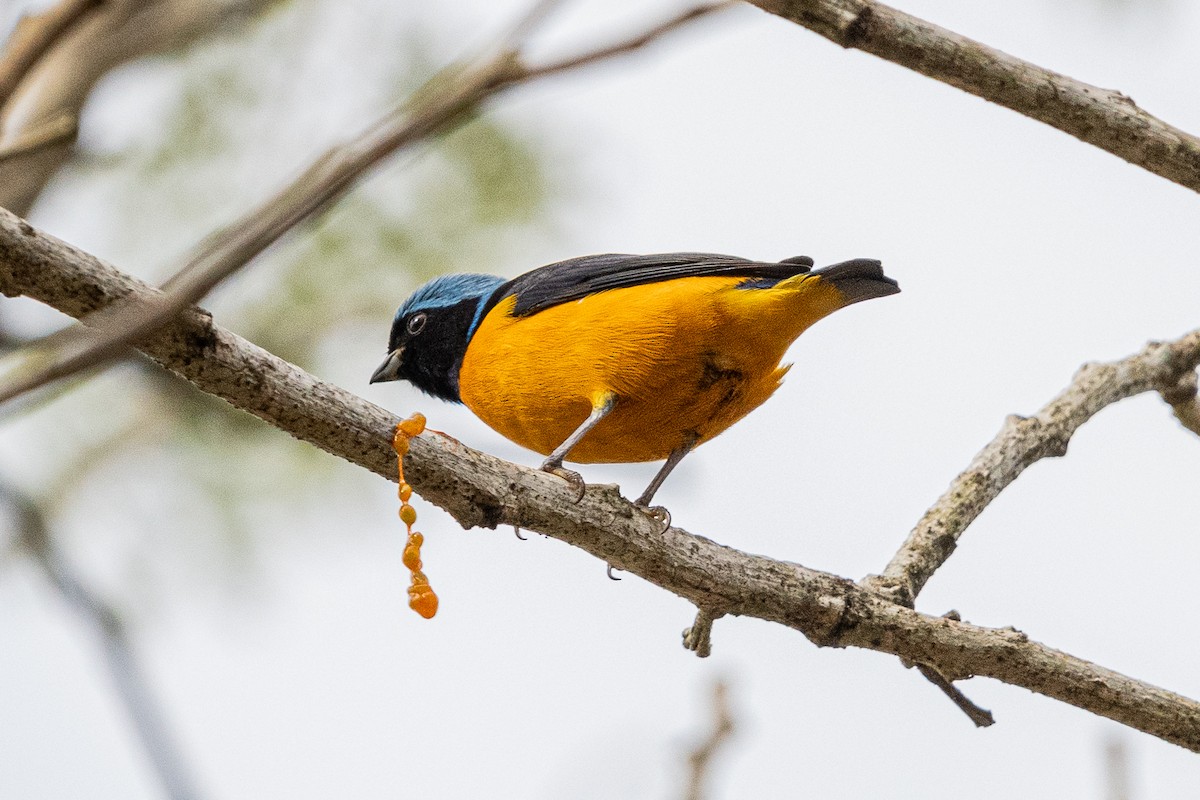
(698, 638)
(1014, 635)
(859, 30)
(1121, 97)
(1184, 390)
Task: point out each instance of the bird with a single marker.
(618, 358)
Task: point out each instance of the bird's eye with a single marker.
(416, 324)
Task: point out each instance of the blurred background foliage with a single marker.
(215, 130)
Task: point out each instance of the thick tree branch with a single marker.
(1101, 117)
(1024, 441)
(480, 490)
(443, 103)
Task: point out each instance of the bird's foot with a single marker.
(660, 514)
(569, 475)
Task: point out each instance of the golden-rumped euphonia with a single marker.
(617, 358)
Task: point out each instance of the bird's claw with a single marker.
(570, 476)
(608, 570)
(659, 514)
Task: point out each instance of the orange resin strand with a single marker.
(420, 594)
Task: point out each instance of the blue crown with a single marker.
(448, 290)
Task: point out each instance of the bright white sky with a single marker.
(1022, 253)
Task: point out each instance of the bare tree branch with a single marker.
(126, 672)
(636, 42)
(700, 760)
(442, 103)
(1023, 441)
(1101, 117)
(480, 490)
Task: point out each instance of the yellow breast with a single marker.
(686, 359)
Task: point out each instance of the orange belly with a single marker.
(685, 358)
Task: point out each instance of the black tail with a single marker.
(859, 279)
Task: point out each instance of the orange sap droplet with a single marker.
(421, 597)
(422, 600)
(412, 552)
(413, 426)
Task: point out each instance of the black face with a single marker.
(432, 342)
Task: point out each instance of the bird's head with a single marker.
(431, 330)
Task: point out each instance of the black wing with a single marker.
(577, 278)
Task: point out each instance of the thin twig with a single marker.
(126, 672)
(980, 716)
(1104, 118)
(443, 103)
(480, 490)
(700, 760)
(1023, 441)
(629, 45)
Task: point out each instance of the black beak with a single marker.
(389, 370)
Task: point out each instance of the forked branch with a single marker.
(1021, 442)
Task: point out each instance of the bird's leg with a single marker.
(659, 512)
(553, 463)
